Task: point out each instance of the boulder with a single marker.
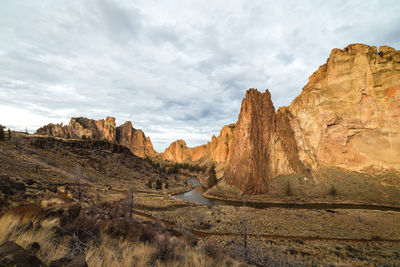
(12, 254)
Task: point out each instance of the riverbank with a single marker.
(230, 195)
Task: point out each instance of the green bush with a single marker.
(332, 191)
(212, 177)
(158, 185)
(289, 190)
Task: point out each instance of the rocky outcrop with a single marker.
(217, 150)
(83, 128)
(135, 140)
(348, 116)
(263, 145)
(250, 154)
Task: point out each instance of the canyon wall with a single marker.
(347, 116)
(104, 129)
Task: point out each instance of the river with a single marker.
(196, 195)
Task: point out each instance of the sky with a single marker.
(176, 69)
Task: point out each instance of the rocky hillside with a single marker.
(83, 128)
(347, 116)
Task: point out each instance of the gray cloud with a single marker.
(176, 69)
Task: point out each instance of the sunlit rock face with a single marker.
(135, 140)
(348, 116)
(104, 129)
(216, 150)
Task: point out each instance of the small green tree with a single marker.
(1, 133)
(166, 185)
(289, 190)
(158, 184)
(333, 191)
(212, 177)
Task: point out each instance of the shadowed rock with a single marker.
(12, 254)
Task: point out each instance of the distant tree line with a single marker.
(2, 134)
(174, 167)
(158, 184)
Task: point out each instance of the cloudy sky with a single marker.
(176, 69)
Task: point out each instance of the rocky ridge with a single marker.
(104, 129)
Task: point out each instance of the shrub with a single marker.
(333, 191)
(212, 177)
(83, 229)
(211, 249)
(1, 133)
(158, 184)
(289, 190)
(147, 234)
(173, 169)
(165, 247)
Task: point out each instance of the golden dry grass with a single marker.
(116, 252)
(42, 232)
(122, 253)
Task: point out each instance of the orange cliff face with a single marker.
(135, 140)
(216, 150)
(83, 128)
(346, 116)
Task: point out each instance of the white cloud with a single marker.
(176, 69)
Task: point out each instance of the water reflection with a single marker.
(195, 195)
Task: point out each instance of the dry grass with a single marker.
(13, 228)
(162, 250)
(121, 253)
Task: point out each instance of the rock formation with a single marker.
(349, 112)
(348, 116)
(83, 128)
(263, 145)
(135, 140)
(216, 150)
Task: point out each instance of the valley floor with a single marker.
(100, 181)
